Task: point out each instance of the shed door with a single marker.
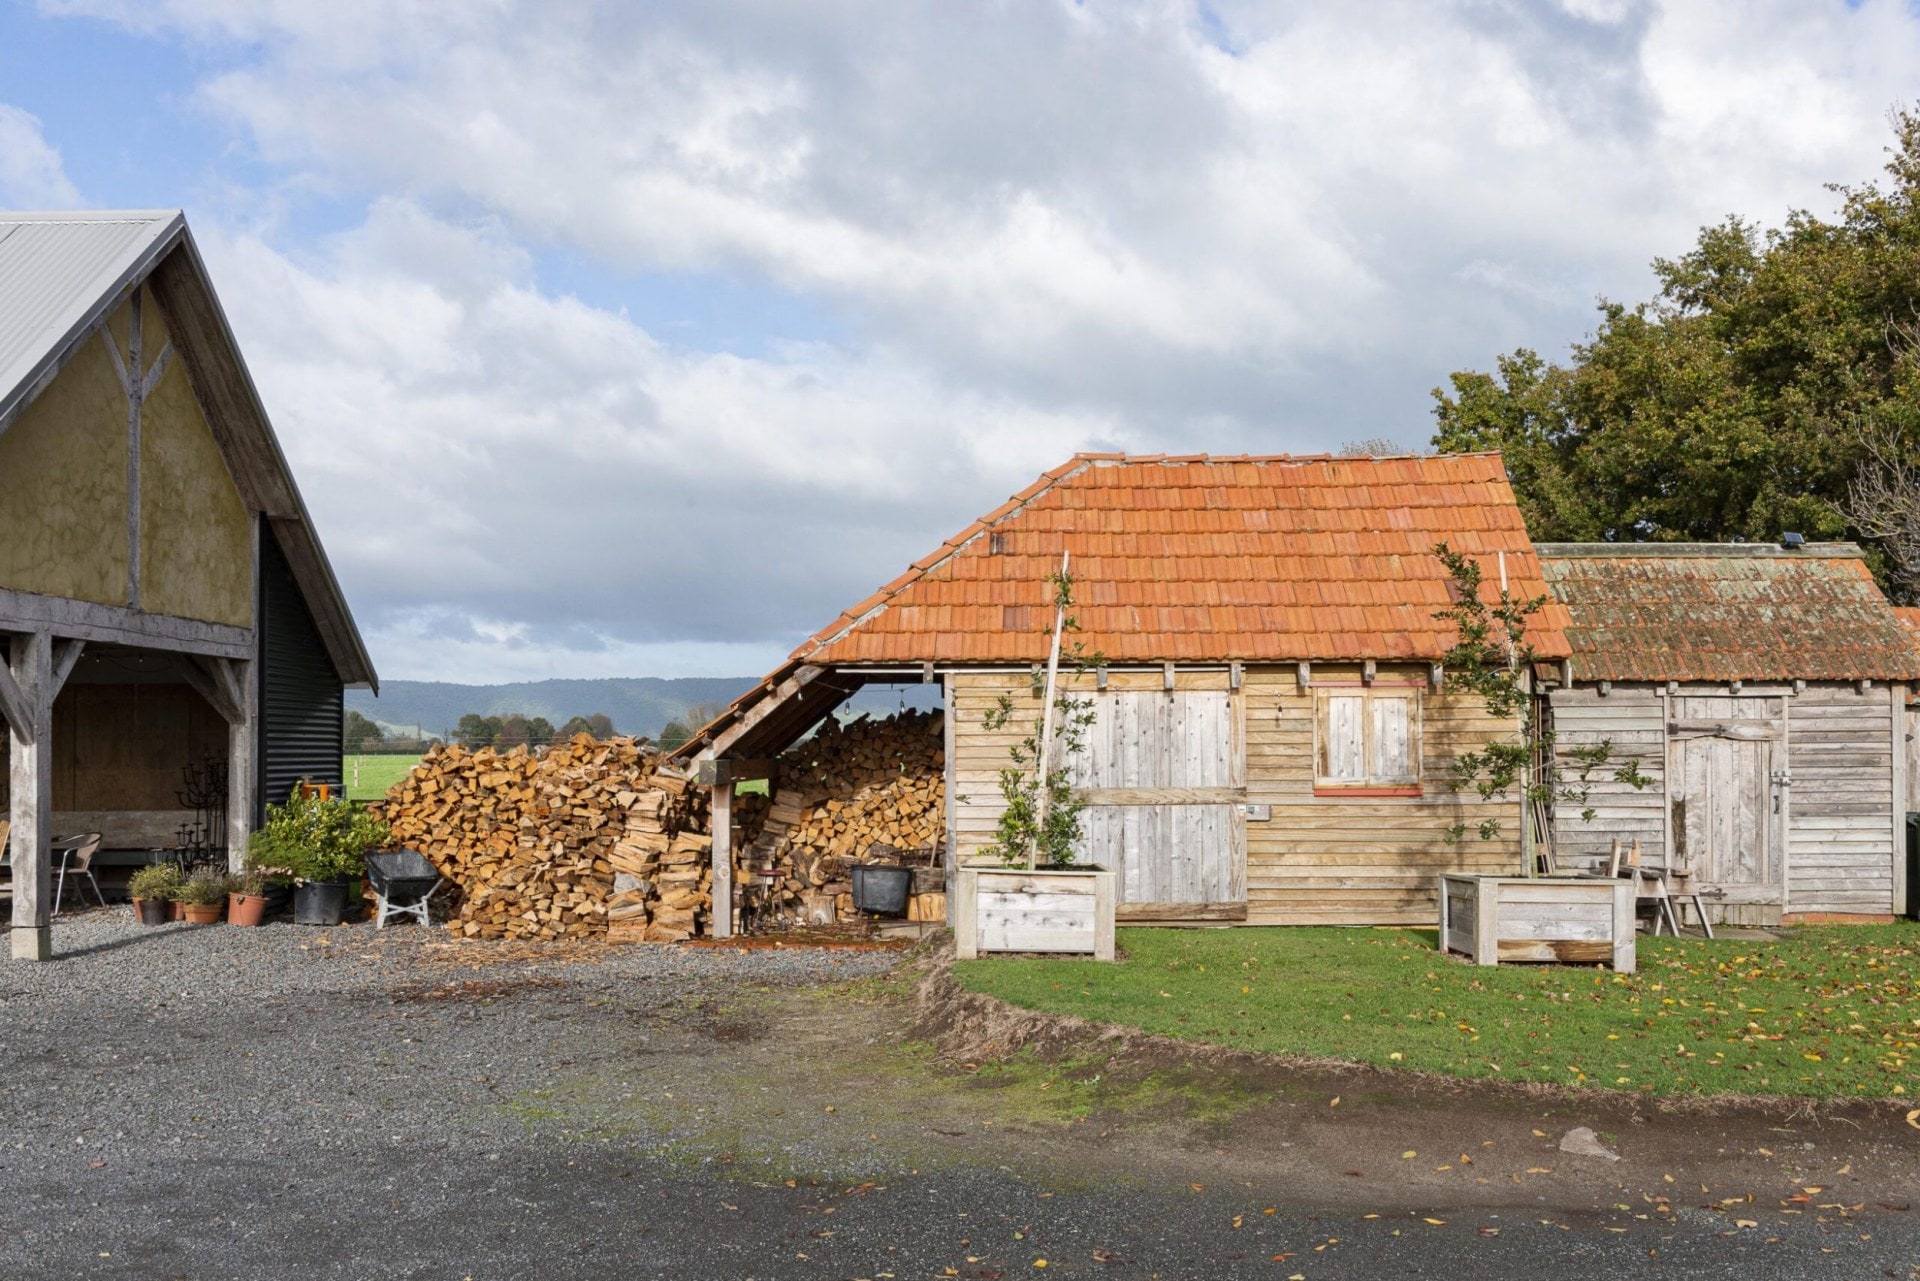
(1164, 775)
(1724, 753)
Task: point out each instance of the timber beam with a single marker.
(710, 772)
(114, 624)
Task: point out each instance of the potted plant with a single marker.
(247, 899)
(324, 844)
(1036, 897)
(203, 895)
(153, 888)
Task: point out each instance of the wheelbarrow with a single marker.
(403, 881)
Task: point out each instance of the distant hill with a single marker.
(638, 705)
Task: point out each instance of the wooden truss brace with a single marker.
(17, 701)
(138, 382)
(218, 681)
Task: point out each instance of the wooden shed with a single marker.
(1272, 738)
(176, 644)
(1762, 689)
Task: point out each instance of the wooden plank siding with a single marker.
(1633, 719)
(1841, 815)
(1349, 860)
(1842, 818)
(1338, 860)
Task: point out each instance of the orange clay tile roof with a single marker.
(1200, 559)
(1724, 612)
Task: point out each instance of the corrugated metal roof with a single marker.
(1726, 612)
(1203, 558)
(58, 273)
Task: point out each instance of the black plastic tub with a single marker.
(321, 902)
(882, 889)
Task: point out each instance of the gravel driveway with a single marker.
(214, 1102)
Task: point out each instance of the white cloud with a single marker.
(1038, 227)
(500, 472)
(31, 174)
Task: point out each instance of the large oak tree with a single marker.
(1772, 384)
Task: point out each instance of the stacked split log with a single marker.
(549, 844)
(865, 791)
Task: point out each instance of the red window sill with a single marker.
(1364, 792)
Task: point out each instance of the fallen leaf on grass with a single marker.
(1237, 1220)
(1408, 1155)
(1335, 1103)
(1745, 1223)
(1913, 1118)
(1437, 1222)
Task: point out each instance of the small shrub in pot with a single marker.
(153, 889)
(248, 901)
(204, 894)
(324, 843)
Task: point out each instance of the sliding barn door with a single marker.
(1163, 775)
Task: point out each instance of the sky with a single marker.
(640, 339)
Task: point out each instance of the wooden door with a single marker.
(1724, 756)
(1164, 775)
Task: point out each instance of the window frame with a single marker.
(1372, 784)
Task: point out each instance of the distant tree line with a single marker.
(513, 729)
(366, 737)
(682, 727)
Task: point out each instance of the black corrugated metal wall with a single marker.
(302, 700)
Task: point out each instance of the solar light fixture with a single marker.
(1792, 541)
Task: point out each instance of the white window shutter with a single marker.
(1392, 739)
(1343, 738)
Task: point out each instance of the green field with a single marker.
(1827, 1011)
(369, 777)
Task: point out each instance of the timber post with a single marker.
(30, 778)
(722, 824)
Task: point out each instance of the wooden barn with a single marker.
(1272, 738)
(176, 645)
(1762, 689)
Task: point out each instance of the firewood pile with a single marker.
(865, 791)
(561, 842)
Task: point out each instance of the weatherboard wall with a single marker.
(1843, 826)
(1837, 814)
(1346, 860)
(1302, 858)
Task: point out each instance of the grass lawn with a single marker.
(369, 777)
(1829, 1011)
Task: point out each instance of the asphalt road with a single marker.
(377, 1110)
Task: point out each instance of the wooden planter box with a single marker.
(1547, 918)
(997, 910)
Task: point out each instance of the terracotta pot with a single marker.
(176, 911)
(246, 909)
(202, 913)
(153, 911)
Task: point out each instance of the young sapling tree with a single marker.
(1492, 656)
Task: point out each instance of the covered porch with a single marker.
(137, 727)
